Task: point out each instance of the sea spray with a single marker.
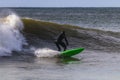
(10, 37)
(46, 52)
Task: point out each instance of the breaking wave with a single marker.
(16, 32)
(42, 34)
(10, 37)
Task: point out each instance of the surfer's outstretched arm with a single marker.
(66, 41)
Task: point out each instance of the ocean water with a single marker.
(100, 18)
(28, 51)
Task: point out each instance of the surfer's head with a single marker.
(63, 32)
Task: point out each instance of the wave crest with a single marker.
(10, 37)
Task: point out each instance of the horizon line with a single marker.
(59, 7)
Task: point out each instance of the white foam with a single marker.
(46, 52)
(10, 37)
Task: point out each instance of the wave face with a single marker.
(10, 37)
(42, 34)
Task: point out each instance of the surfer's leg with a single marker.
(57, 44)
(63, 45)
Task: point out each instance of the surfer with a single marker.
(59, 41)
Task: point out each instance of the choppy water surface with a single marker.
(92, 66)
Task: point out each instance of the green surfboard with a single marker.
(71, 52)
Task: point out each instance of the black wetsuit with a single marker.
(59, 42)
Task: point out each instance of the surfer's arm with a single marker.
(66, 41)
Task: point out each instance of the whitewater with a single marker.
(10, 37)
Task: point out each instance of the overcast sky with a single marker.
(59, 3)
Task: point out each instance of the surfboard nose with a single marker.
(71, 52)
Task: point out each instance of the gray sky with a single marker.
(59, 3)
